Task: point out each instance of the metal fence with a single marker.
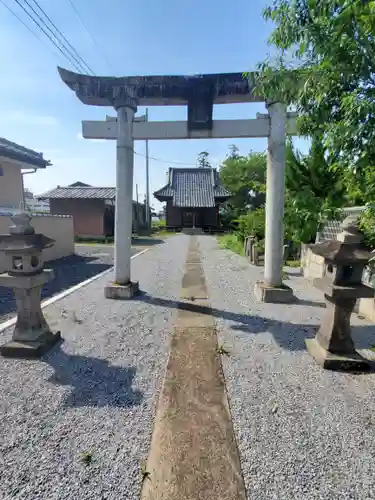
(331, 228)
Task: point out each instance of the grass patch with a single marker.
(293, 263)
(145, 474)
(220, 349)
(231, 242)
(86, 457)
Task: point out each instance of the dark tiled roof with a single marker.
(79, 184)
(100, 193)
(14, 151)
(192, 187)
(220, 192)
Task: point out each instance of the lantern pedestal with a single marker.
(332, 361)
(333, 347)
(32, 336)
(30, 350)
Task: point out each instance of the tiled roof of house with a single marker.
(192, 187)
(86, 192)
(14, 151)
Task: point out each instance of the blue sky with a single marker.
(137, 38)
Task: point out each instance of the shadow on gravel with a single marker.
(69, 271)
(312, 303)
(147, 242)
(93, 381)
(288, 335)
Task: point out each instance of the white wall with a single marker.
(10, 185)
(59, 228)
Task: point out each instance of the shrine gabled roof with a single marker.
(193, 188)
(13, 151)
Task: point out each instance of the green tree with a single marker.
(312, 192)
(327, 71)
(203, 160)
(244, 177)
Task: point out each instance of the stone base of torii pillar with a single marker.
(121, 292)
(272, 289)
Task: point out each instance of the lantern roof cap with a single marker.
(341, 252)
(24, 242)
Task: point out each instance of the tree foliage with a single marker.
(203, 161)
(312, 192)
(327, 71)
(245, 178)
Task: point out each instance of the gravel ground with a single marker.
(303, 433)
(87, 262)
(95, 393)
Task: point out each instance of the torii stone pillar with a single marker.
(123, 287)
(272, 288)
(119, 94)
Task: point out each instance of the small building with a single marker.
(13, 160)
(193, 197)
(92, 209)
(34, 205)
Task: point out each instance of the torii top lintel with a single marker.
(168, 90)
(198, 92)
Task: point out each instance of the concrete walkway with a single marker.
(78, 424)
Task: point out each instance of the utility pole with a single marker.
(137, 209)
(147, 181)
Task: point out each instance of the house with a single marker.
(193, 197)
(33, 205)
(13, 159)
(15, 162)
(92, 208)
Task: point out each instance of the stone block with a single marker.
(338, 362)
(121, 292)
(275, 295)
(30, 350)
(366, 308)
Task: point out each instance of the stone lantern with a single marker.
(345, 260)
(32, 336)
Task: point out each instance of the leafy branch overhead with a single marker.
(326, 70)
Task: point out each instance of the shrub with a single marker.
(232, 242)
(158, 223)
(367, 226)
(252, 224)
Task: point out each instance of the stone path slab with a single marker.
(193, 451)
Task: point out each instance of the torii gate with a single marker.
(199, 93)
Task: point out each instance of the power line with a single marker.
(63, 52)
(29, 29)
(48, 36)
(166, 161)
(90, 34)
(80, 61)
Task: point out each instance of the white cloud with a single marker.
(29, 119)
